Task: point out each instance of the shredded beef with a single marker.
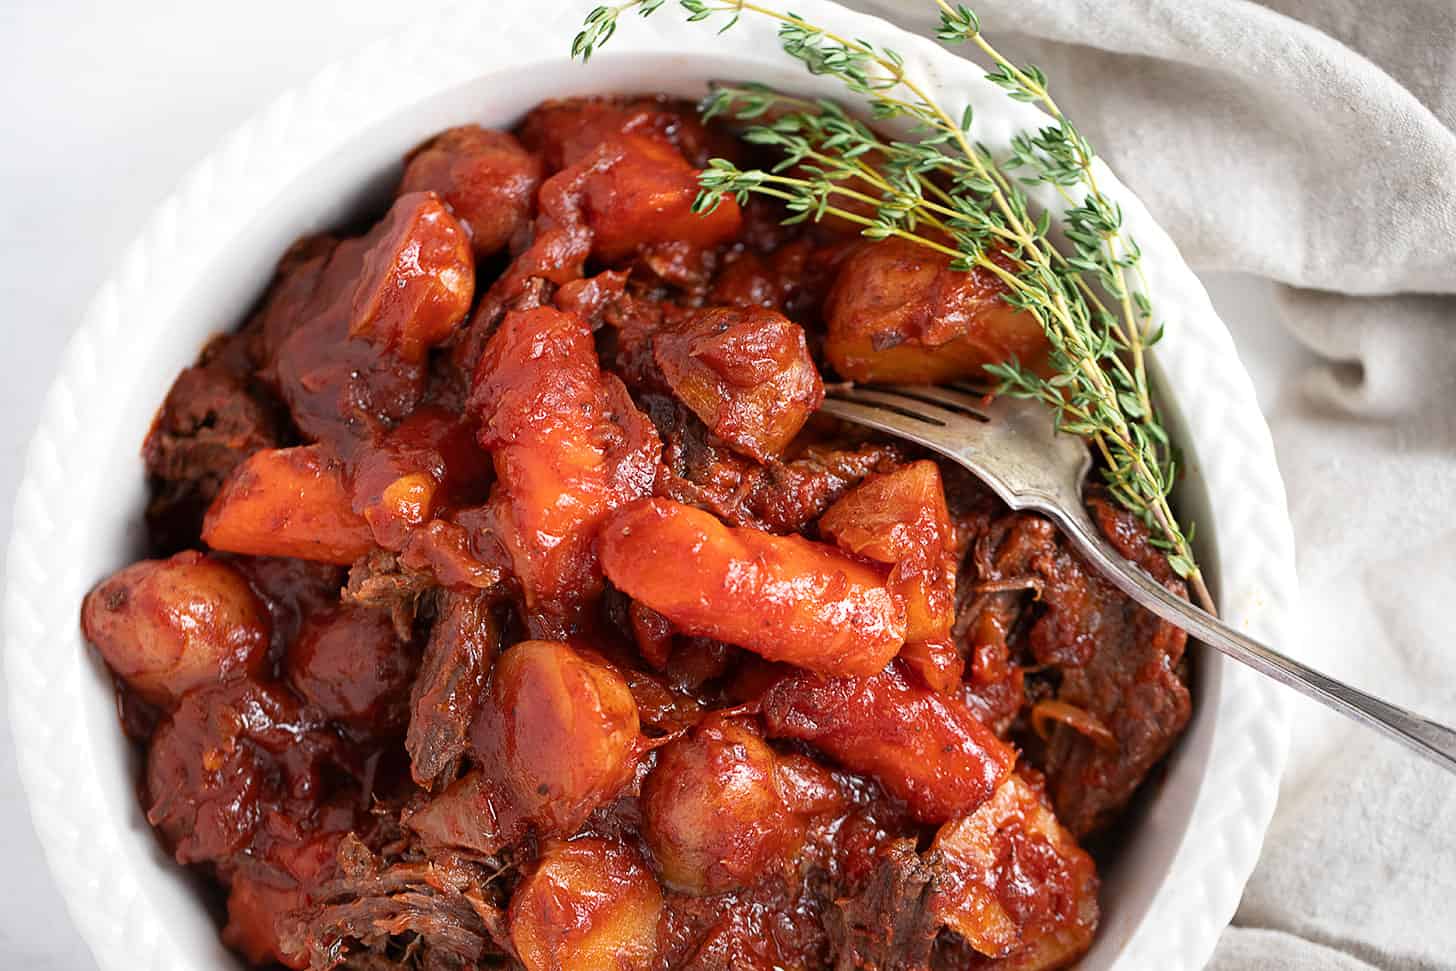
(1133, 679)
(379, 580)
(886, 924)
(781, 497)
(439, 910)
(446, 696)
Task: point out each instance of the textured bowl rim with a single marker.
(1212, 395)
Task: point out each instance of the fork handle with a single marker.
(1430, 739)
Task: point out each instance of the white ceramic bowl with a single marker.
(324, 152)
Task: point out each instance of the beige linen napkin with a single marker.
(1311, 142)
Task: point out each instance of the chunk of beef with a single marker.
(210, 421)
(228, 757)
(769, 926)
(780, 497)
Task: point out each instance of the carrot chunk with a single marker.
(784, 597)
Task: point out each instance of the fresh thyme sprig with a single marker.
(943, 190)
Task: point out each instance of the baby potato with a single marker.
(487, 177)
(898, 313)
(924, 748)
(1014, 883)
(746, 372)
(638, 192)
(590, 904)
(167, 626)
(349, 664)
(713, 815)
(288, 502)
(559, 732)
(785, 598)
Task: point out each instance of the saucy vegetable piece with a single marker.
(564, 130)
(349, 664)
(714, 815)
(288, 502)
(900, 518)
(348, 330)
(783, 597)
(168, 626)
(569, 446)
(589, 904)
(745, 372)
(639, 195)
(417, 281)
(898, 313)
(427, 462)
(923, 748)
(557, 736)
(561, 729)
(227, 757)
(1014, 883)
(486, 177)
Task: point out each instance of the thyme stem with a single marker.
(976, 203)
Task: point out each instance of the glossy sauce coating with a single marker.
(589, 904)
(783, 597)
(899, 314)
(350, 664)
(569, 446)
(227, 757)
(714, 813)
(167, 626)
(923, 747)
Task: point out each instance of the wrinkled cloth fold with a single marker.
(1313, 143)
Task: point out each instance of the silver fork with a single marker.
(1013, 446)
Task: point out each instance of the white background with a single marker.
(107, 105)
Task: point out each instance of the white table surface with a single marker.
(107, 106)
